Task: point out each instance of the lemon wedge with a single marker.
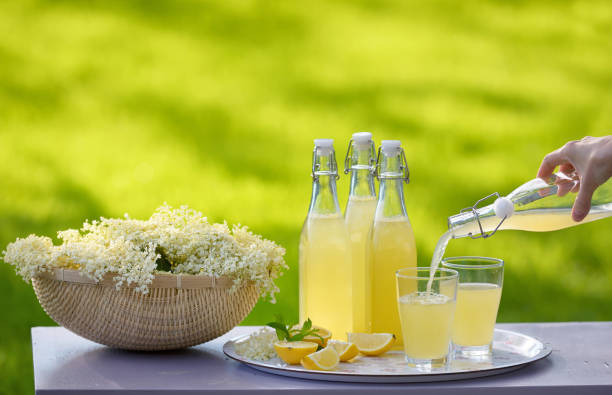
(345, 350)
(326, 359)
(324, 333)
(372, 343)
(293, 352)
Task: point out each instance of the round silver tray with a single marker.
(511, 351)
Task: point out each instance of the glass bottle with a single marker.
(359, 215)
(537, 206)
(325, 265)
(393, 245)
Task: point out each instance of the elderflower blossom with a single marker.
(259, 345)
(132, 249)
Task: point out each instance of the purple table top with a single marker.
(64, 363)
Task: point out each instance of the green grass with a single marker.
(111, 106)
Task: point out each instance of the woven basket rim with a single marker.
(160, 280)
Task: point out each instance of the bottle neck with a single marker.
(391, 177)
(324, 198)
(466, 224)
(362, 178)
(362, 183)
(391, 199)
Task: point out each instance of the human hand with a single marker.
(589, 161)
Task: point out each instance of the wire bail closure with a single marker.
(333, 170)
(405, 176)
(474, 210)
(349, 155)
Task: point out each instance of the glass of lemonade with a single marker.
(426, 314)
(478, 296)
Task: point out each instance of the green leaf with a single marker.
(297, 337)
(277, 325)
(293, 333)
(281, 334)
(281, 330)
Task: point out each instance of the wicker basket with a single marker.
(179, 310)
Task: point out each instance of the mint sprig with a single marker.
(291, 332)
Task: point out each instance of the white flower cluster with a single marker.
(181, 238)
(259, 345)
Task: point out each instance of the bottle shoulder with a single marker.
(331, 217)
(394, 225)
(358, 206)
(359, 199)
(399, 220)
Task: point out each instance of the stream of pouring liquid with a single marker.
(438, 255)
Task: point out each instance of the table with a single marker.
(64, 363)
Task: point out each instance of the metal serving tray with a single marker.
(511, 351)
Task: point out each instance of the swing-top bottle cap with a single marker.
(362, 139)
(503, 207)
(390, 147)
(324, 145)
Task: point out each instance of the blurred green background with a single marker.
(109, 107)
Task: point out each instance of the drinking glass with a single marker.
(478, 296)
(426, 314)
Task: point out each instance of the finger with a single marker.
(576, 187)
(564, 187)
(550, 162)
(567, 168)
(582, 205)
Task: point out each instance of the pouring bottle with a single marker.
(537, 205)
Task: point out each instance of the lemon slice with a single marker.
(324, 333)
(326, 359)
(293, 352)
(345, 350)
(372, 343)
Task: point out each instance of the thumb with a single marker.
(582, 205)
